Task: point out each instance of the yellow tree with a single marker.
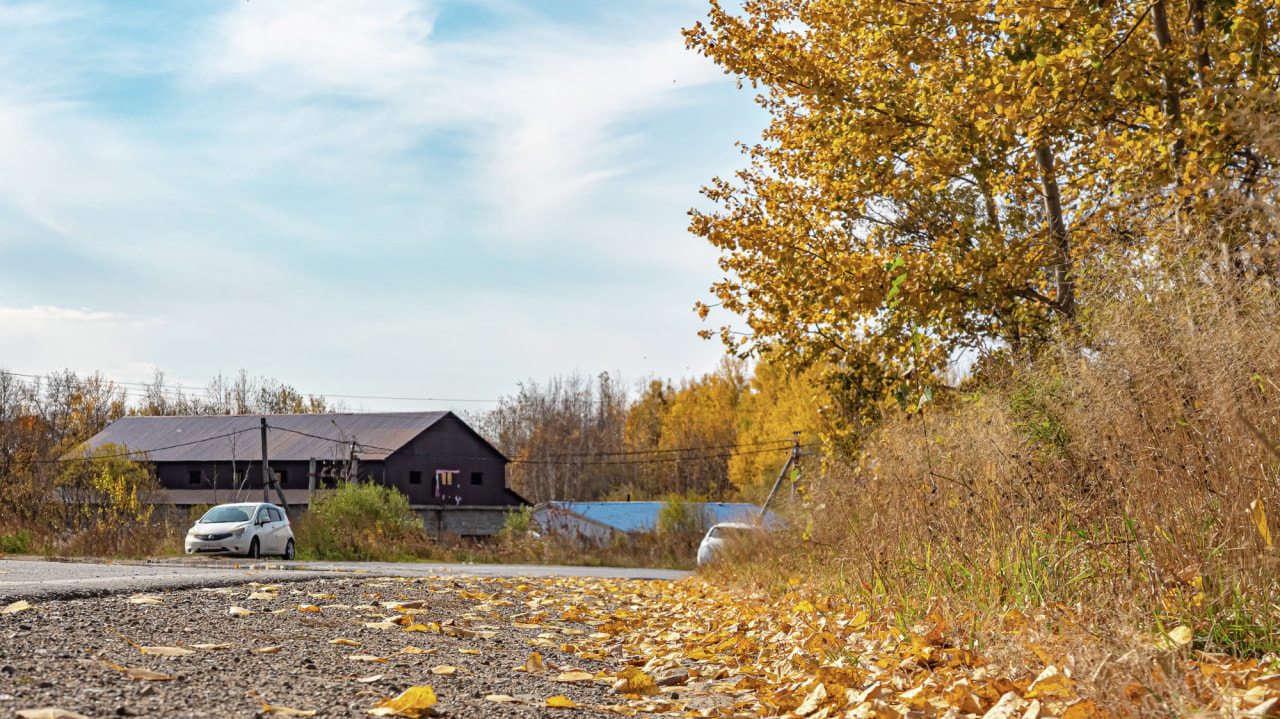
(936, 174)
(778, 403)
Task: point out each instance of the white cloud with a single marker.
(546, 113)
(42, 338)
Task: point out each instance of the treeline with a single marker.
(721, 436)
(43, 418)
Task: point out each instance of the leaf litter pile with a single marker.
(523, 647)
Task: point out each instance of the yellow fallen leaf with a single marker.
(212, 646)
(574, 677)
(468, 651)
(534, 665)
(522, 625)
(366, 658)
(418, 650)
(431, 627)
(413, 702)
(561, 701)
(262, 595)
(804, 607)
(145, 599)
(444, 670)
(167, 651)
(573, 632)
(503, 699)
(634, 681)
(308, 608)
(1083, 709)
(348, 642)
(370, 679)
(812, 701)
(269, 650)
(49, 713)
(1258, 513)
(14, 608)
(599, 636)
(323, 596)
(240, 611)
(1182, 635)
(381, 625)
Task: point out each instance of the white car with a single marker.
(716, 538)
(249, 528)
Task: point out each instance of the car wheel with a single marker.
(253, 549)
(288, 551)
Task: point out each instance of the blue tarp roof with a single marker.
(643, 516)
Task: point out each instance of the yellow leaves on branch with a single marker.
(896, 208)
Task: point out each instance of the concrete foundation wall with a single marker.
(463, 521)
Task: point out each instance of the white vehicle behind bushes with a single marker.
(723, 533)
(253, 529)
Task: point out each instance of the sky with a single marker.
(407, 198)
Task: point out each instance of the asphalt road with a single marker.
(33, 579)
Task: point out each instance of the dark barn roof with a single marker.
(292, 437)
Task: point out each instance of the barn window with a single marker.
(283, 475)
(477, 478)
(193, 476)
(415, 478)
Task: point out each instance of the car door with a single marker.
(278, 535)
(262, 528)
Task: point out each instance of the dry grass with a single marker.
(1114, 484)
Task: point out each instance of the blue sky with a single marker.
(367, 197)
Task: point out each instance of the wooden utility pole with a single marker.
(791, 459)
(269, 477)
(266, 466)
(311, 482)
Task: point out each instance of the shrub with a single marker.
(683, 514)
(361, 522)
(17, 543)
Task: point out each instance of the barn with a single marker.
(452, 476)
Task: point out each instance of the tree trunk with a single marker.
(1064, 300)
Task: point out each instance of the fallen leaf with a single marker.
(813, 700)
(1181, 635)
(417, 650)
(574, 677)
(366, 658)
(348, 642)
(468, 651)
(240, 611)
(49, 713)
(561, 701)
(262, 595)
(167, 651)
(14, 608)
(145, 599)
(370, 679)
(308, 608)
(1007, 708)
(381, 625)
(534, 665)
(634, 681)
(413, 702)
(503, 699)
(212, 646)
(269, 650)
(444, 670)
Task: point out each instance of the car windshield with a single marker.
(225, 514)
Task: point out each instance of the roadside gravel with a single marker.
(67, 653)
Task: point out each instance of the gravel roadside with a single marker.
(336, 645)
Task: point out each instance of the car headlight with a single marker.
(191, 532)
(237, 531)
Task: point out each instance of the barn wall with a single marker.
(450, 445)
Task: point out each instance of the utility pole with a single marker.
(311, 482)
(791, 460)
(266, 466)
(269, 477)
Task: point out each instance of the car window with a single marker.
(275, 514)
(225, 514)
(263, 514)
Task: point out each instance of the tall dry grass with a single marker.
(1117, 480)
